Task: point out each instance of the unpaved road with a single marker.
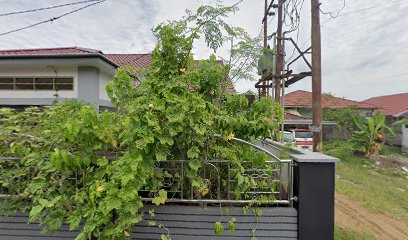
(352, 215)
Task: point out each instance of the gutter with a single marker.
(60, 56)
(400, 114)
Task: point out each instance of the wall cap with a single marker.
(304, 156)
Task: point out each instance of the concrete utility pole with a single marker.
(316, 77)
(279, 60)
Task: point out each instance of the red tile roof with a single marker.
(137, 60)
(390, 104)
(48, 51)
(304, 99)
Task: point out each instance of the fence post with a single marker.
(314, 176)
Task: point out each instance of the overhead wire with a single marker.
(369, 8)
(353, 12)
(247, 57)
(51, 19)
(298, 13)
(331, 14)
(46, 8)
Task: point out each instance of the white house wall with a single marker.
(105, 78)
(39, 71)
(90, 79)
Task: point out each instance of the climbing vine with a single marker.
(90, 169)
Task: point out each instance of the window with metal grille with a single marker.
(37, 83)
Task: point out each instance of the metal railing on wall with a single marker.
(270, 183)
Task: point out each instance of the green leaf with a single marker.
(231, 224)
(37, 184)
(240, 179)
(194, 164)
(74, 220)
(102, 162)
(35, 211)
(166, 141)
(193, 152)
(151, 212)
(218, 228)
(161, 199)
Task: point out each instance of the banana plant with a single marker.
(369, 138)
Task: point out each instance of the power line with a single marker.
(331, 13)
(46, 8)
(368, 8)
(52, 19)
(353, 12)
(298, 12)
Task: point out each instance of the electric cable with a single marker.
(52, 19)
(46, 8)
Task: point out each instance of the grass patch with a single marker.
(382, 190)
(346, 234)
(389, 150)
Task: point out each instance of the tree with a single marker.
(88, 169)
(369, 137)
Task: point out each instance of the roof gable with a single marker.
(390, 104)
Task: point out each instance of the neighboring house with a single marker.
(300, 103)
(393, 107)
(37, 77)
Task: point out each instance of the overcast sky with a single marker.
(364, 50)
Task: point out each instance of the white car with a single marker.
(299, 137)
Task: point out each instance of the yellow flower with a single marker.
(182, 70)
(100, 189)
(151, 105)
(205, 191)
(231, 136)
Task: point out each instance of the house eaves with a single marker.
(60, 56)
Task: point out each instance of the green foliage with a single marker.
(401, 122)
(244, 49)
(231, 224)
(346, 234)
(344, 117)
(87, 168)
(210, 20)
(81, 166)
(161, 199)
(370, 135)
(218, 228)
(393, 150)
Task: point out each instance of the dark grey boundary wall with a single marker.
(183, 222)
(313, 187)
(312, 217)
(314, 176)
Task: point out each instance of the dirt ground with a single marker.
(351, 215)
(391, 161)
